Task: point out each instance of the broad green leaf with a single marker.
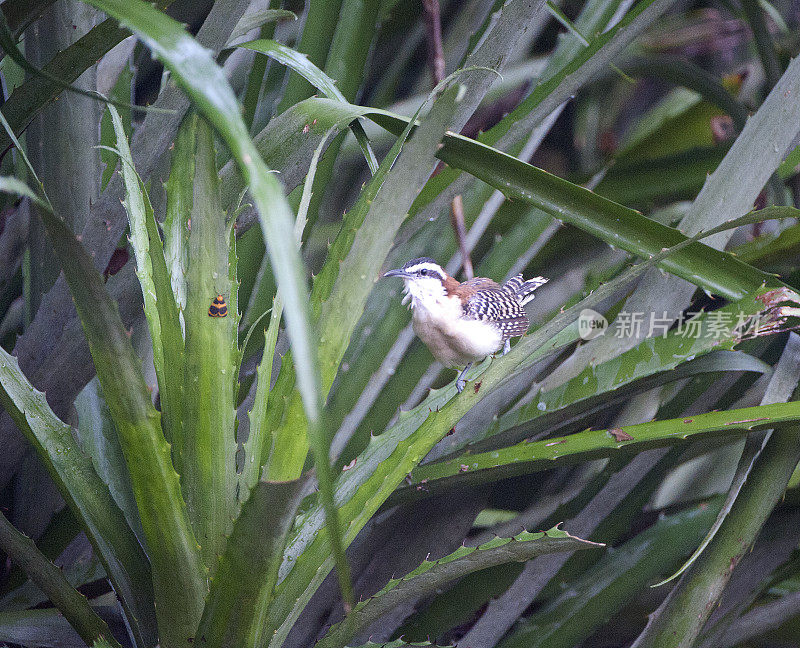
(526, 457)
(247, 572)
(73, 605)
(160, 308)
(431, 575)
(597, 595)
(390, 457)
(125, 562)
(210, 359)
(178, 574)
(196, 72)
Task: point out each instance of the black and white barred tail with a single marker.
(523, 289)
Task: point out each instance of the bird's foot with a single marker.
(461, 381)
(506, 347)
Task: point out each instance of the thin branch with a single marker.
(457, 221)
(433, 27)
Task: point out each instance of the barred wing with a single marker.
(500, 308)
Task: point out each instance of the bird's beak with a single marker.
(396, 273)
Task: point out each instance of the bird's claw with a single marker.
(460, 384)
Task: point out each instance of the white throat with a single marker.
(424, 292)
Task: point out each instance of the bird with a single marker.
(462, 323)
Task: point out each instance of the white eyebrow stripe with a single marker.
(425, 266)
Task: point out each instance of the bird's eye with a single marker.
(425, 272)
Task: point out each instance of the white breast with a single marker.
(453, 340)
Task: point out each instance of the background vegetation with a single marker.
(301, 472)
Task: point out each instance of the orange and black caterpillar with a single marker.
(218, 307)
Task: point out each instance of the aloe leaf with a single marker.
(715, 271)
(525, 457)
(178, 573)
(134, 203)
(255, 448)
(363, 489)
(248, 570)
(160, 308)
(99, 439)
(597, 595)
(125, 562)
(637, 369)
(783, 383)
(210, 359)
(49, 578)
(180, 191)
(205, 83)
(431, 575)
(680, 618)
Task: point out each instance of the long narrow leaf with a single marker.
(49, 578)
(178, 573)
(210, 359)
(431, 575)
(117, 547)
(242, 587)
(205, 83)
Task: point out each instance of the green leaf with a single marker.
(247, 572)
(680, 618)
(195, 71)
(527, 457)
(178, 573)
(298, 62)
(783, 383)
(261, 433)
(599, 594)
(717, 272)
(124, 560)
(391, 456)
(210, 359)
(432, 575)
(259, 18)
(19, 188)
(49, 578)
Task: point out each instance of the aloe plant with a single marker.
(218, 427)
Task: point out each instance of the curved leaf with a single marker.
(526, 457)
(73, 605)
(118, 548)
(431, 575)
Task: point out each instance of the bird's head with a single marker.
(424, 280)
